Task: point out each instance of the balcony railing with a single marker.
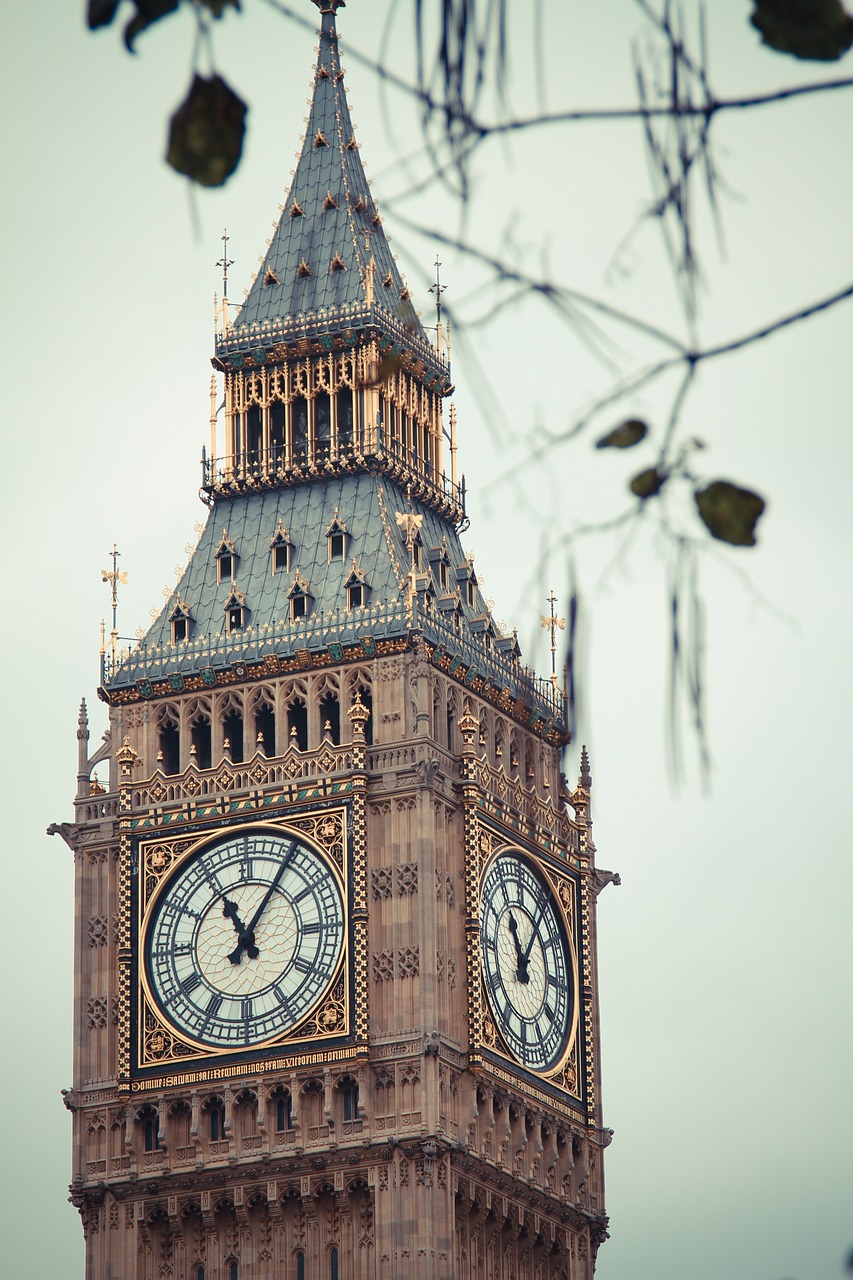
(282, 466)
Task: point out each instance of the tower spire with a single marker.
(314, 275)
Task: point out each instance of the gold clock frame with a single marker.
(485, 843)
(159, 1046)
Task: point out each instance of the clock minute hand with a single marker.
(533, 932)
(253, 923)
(246, 937)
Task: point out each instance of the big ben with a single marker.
(335, 954)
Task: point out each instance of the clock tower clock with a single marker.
(336, 996)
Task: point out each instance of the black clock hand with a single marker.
(533, 932)
(521, 967)
(247, 937)
(253, 923)
(229, 910)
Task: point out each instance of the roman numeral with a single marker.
(190, 983)
(213, 1005)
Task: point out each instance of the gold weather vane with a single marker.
(552, 624)
(438, 289)
(114, 577)
(225, 262)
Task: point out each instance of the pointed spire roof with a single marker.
(329, 265)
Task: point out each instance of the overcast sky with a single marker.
(725, 955)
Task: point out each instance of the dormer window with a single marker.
(280, 549)
(300, 599)
(235, 612)
(226, 559)
(471, 591)
(180, 620)
(337, 538)
(417, 553)
(356, 588)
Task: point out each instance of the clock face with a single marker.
(527, 962)
(245, 939)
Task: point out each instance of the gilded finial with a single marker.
(113, 577)
(552, 624)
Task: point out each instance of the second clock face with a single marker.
(527, 962)
(245, 939)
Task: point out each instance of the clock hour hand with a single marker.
(521, 967)
(247, 939)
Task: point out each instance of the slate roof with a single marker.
(367, 505)
(329, 228)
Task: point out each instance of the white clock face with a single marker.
(527, 964)
(245, 939)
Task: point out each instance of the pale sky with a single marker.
(725, 954)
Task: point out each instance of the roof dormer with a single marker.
(357, 588)
(281, 549)
(300, 598)
(226, 559)
(180, 619)
(338, 538)
(235, 611)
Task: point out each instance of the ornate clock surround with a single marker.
(568, 1085)
(156, 1052)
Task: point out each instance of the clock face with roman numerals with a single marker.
(245, 939)
(527, 962)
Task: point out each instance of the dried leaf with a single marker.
(729, 512)
(218, 7)
(206, 132)
(147, 13)
(817, 29)
(625, 436)
(100, 13)
(649, 482)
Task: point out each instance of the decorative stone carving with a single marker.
(98, 931)
(383, 966)
(407, 879)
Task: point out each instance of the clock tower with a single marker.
(336, 997)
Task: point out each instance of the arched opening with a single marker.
(265, 728)
(330, 717)
(169, 741)
(276, 433)
(215, 1115)
(343, 408)
(283, 1106)
(297, 725)
(298, 429)
(322, 426)
(348, 1089)
(200, 737)
(149, 1120)
(232, 732)
(253, 435)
